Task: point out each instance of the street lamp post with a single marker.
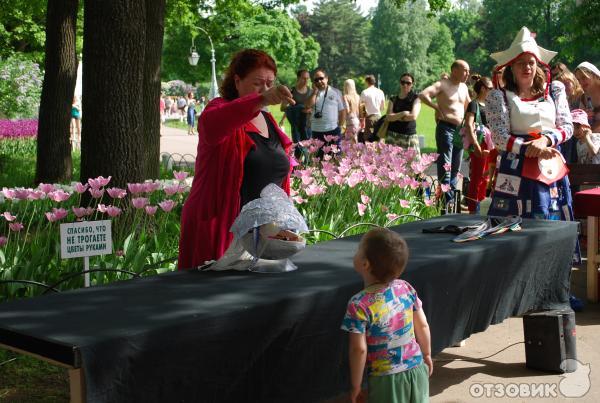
(193, 60)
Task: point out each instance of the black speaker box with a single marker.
(550, 340)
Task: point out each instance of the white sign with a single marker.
(86, 238)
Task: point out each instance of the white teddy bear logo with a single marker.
(575, 384)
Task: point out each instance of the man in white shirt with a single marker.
(372, 100)
(328, 108)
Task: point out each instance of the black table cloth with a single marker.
(250, 337)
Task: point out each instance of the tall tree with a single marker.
(403, 37)
(120, 72)
(54, 162)
(465, 24)
(343, 34)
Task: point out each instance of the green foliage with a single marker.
(22, 28)
(465, 24)
(343, 34)
(20, 87)
(403, 39)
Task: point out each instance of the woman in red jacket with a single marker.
(240, 151)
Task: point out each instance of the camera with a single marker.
(318, 115)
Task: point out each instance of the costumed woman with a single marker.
(240, 151)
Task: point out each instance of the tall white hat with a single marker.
(524, 42)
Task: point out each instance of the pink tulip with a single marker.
(96, 192)
(35, 195)
(56, 214)
(139, 202)
(46, 188)
(15, 226)
(8, 216)
(8, 193)
(365, 199)
(21, 193)
(101, 208)
(79, 211)
(428, 202)
(80, 187)
(361, 209)
(170, 190)
(116, 193)
(445, 187)
(89, 211)
(99, 182)
(120, 252)
(313, 190)
(326, 149)
(3, 241)
(180, 175)
(113, 211)
(135, 188)
(59, 195)
(404, 203)
(298, 200)
(331, 139)
(447, 166)
(151, 210)
(391, 216)
(150, 187)
(167, 205)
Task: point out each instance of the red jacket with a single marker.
(214, 201)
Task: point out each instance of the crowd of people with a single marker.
(183, 108)
(515, 125)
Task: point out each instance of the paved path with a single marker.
(177, 141)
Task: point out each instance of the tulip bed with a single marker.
(350, 184)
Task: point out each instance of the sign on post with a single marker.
(85, 239)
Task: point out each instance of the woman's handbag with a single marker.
(546, 171)
(383, 128)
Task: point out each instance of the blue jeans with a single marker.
(448, 154)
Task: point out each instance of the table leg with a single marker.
(592, 259)
(77, 385)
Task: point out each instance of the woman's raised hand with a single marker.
(277, 94)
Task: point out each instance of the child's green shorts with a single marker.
(403, 387)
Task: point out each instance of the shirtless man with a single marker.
(452, 97)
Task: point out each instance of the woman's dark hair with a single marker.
(482, 82)
(408, 75)
(242, 63)
(387, 253)
(538, 81)
(300, 72)
(370, 79)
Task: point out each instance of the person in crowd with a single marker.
(181, 107)
(588, 144)
(474, 120)
(174, 110)
(589, 78)
(168, 105)
(373, 101)
(576, 99)
(76, 123)
(388, 330)
(452, 97)
(352, 101)
(200, 105)
(298, 115)
(328, 111)
(402, 113)
(191, 113)
(161, 108)
(240, 150)
(528, 119)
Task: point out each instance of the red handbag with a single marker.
(546, 171)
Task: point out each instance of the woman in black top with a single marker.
(402, 114)
(265, 163)
(480, 153)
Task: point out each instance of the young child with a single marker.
(383, 320)
(588, 144)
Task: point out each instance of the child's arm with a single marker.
(423, 337)
(358, 358)
(594, 148)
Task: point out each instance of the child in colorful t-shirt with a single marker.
(383, 320)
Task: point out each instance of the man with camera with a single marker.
(328, 108)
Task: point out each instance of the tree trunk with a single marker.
(121, 86)
(155, 17)
(54, 162)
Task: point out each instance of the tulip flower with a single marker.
(80, 187)
(151, 210)
(167, 205)
(59, 195)
(15, 226)
(113, 211)
(180, 175)
(96, 192)
(3, 241)
(99, 182)
(136, 188)
(139, 202)
(361, 209)
(116, 193)
(404, 203)
(8, 216)
(46, 188)
(365, 199)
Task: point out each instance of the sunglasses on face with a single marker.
(406, 82)
(317, 79)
